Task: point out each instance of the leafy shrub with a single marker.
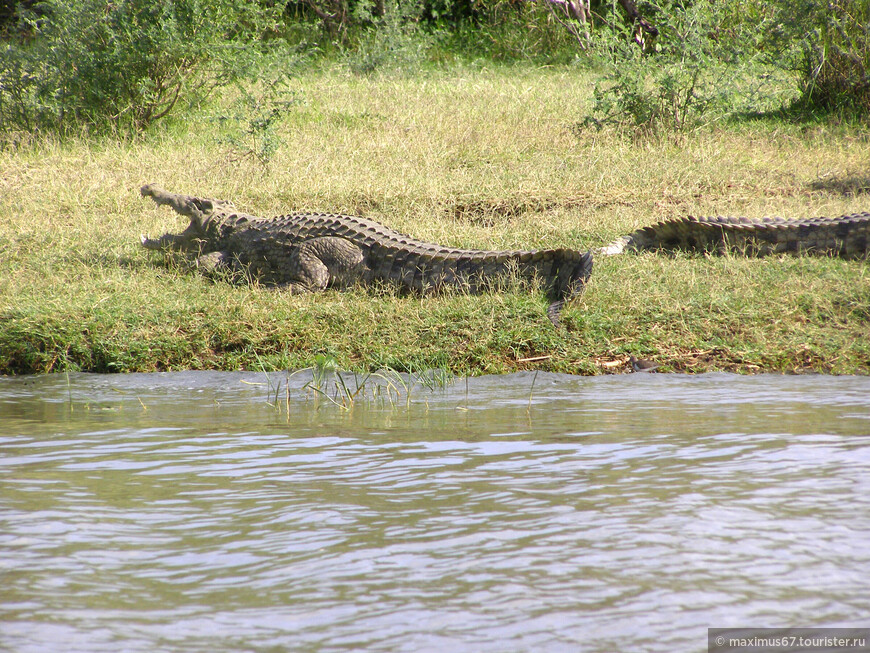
(122, 64)
(392, 37)
(507, 30)
(828, 45)
(685, 79)
(399, 33)
(250, 127)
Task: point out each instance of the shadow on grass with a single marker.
(804, 113)
(845, 185)
(805, 116)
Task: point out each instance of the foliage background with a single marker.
(121, 65)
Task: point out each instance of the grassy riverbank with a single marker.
(470, 157)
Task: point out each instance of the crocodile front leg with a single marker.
(319, 263)
(219, 264)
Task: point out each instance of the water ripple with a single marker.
(580, 514)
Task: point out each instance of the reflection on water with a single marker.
(226, 512)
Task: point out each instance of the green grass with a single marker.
(466, 156)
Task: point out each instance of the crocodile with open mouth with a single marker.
(309, 252)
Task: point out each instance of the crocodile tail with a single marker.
(573, 271)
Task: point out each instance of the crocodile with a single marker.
(309, 252)
(847, 236)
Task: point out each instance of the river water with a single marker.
(243, 512)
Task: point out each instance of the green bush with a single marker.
(508, 31)
(828, 45)
(374, 34)
(392, 37)
(123, 64)
(686, 78)
(250, 126)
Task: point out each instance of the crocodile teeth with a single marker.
(148, 242)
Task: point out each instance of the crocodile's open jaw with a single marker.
(192, 207)
(187, 240)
